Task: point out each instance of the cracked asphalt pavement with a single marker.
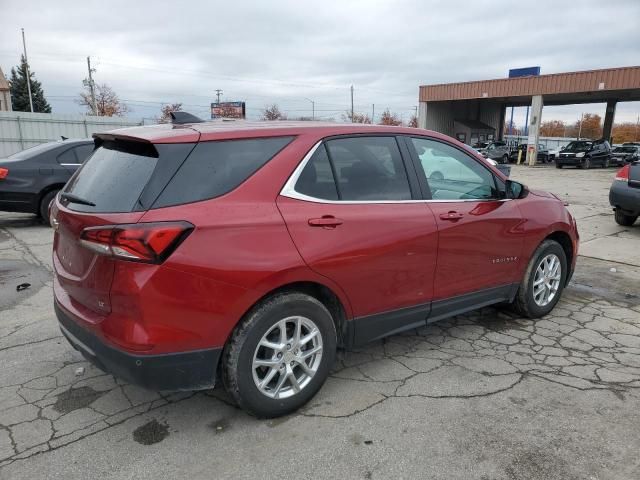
(487, 395)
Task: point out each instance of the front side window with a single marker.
(452, 174)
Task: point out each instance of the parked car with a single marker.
(498, 151)
(624, 195)
(625, 154)
(585, 154)
(30, 179)
(255, 250)
(542, 155)
(479, 146)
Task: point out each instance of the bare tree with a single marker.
(413, 122)
(388, 118)
(357, 117)
(108, 103)
(166, 110)
(272, 112)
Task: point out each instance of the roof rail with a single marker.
(179, 118)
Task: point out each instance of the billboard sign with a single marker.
(524, 72)
(228, 110)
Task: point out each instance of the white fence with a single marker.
(20, 130)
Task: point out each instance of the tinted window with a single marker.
(316, 180)
(216, 168)
(369, 168)
(83, 151)
(452, 174)
(67, 157)
(113, 177)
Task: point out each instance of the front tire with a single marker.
(623, 219)
(543, 281)
(558, 165)
(280, 354)
(45, 202)
(587, 164)
(505, 159)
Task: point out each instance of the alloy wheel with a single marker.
(547, 280)
(287, 357)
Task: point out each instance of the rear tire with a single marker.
(258, 342)
(607, 163)
(624, 219)
(505, 158)
(587, 164)
(43, 210)
(530, 301)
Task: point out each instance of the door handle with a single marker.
(451, 216)
(327, 221)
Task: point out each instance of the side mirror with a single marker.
(514, 189)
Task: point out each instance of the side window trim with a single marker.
(416, 161)
(409, 168)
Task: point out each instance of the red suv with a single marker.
(251, 251)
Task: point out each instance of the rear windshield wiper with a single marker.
(75, 199)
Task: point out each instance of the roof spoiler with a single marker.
(180, 118)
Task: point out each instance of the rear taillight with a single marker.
(623, 174)
(139, 242)
(3, 173)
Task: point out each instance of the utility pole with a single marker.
(26, 69)
(373, 113)
(92, 88)
(580, 127)
(351, 103)
(218, 93)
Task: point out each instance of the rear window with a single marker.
(114, 177)
(216, 168)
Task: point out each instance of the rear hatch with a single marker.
(116, 185)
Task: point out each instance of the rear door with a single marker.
(480, 233)
(116, 187)
(353, 210)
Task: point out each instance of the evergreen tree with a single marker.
(20, 92)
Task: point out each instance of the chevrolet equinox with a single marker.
(250, 252)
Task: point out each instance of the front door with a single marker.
(480, 233)
(355, 219)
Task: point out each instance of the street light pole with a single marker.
(26, 69)
(313, 108)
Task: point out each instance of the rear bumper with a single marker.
(624, 197)
(18, 202)
(194, 370)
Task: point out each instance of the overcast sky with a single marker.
(286, 52)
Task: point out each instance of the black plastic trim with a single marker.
(366, 329)
(193, 370)
(450, 307)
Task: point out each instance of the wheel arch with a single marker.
(47, 189)
(564, 239)
(321, 292)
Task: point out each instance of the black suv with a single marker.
(585, 154)
(30, 179)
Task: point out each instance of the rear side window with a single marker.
(216, 168)
(83, 151)
(369, 169)
(316, 180)
(67, 157)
